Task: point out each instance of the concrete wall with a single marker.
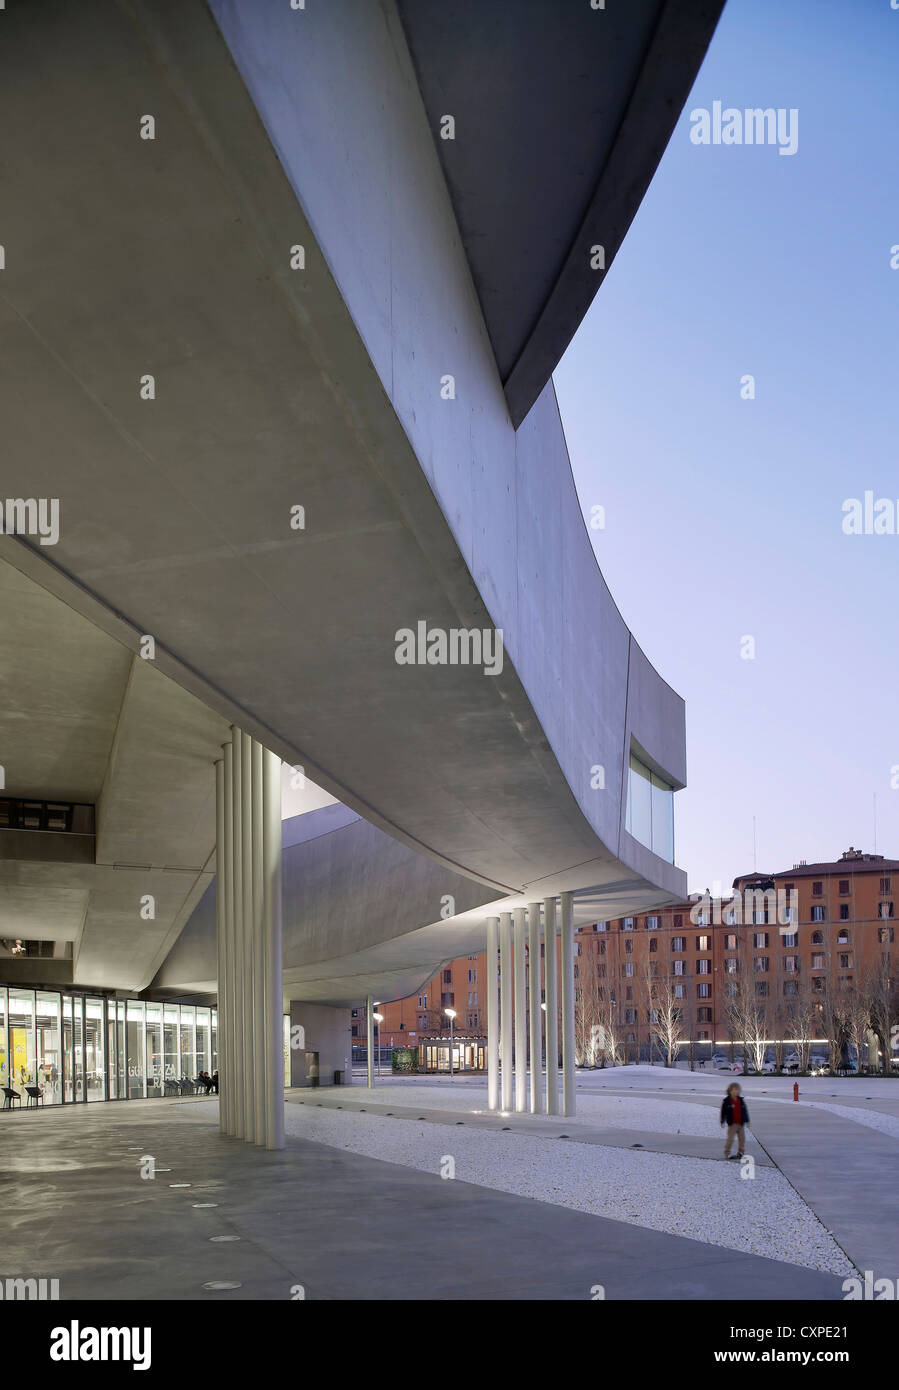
(361, 158)
(347, 889)
(326, 1031)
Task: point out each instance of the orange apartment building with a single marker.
(800, 957)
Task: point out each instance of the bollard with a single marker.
(795, 1090)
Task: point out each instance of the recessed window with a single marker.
(649, 815)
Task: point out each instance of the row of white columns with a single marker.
(248, 938)
(516, 1027)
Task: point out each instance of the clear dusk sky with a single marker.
(724, 516)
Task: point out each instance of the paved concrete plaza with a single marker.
(336, 1224)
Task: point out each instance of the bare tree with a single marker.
(665, 1009)
(743, 1009)
(801, 1019)
(882, 992)
(588, 1007)
(857, 1005)
(610, 1048)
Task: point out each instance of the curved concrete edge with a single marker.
(508, 496)
(671, 63)
(365, 915)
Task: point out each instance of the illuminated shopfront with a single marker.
(468, 1054)
(81, 1047)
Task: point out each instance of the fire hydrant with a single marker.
(795, 1090)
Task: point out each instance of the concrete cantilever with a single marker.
(316, 380)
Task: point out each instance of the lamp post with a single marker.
(379, 1019)
(451, 1014)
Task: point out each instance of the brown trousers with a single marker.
(737, 1132)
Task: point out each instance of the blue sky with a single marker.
(723, 515)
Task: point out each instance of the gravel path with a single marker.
(707, 1201)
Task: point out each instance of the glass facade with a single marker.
(80, 1047)
(650, 810)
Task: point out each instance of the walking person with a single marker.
(734, 1114)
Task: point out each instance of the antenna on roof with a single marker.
(755, 856)
(875, 822)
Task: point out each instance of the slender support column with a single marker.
(240, 1040)
(521, 1020)
(221, 944)
(552, 1006)
(265, 1020)
(505, 1005)
(272, 950)
(535, 1013)
(370, 1040)
(249, 1022)
(227, 1073)
(492, 1016)
(568, 1073)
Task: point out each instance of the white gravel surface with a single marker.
(706, 1200)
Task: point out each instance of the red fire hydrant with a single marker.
(795, 1090)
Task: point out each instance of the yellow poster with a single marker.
(19, 1040)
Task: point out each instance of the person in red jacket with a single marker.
(734, 1114)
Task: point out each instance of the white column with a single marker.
(521, 1020)
(370, 1040)
(535, 1013)
(552, 1006)
(263, 1019)
(505, 1006)
(492, 1016)
(241, 1041)
(227, 1069)
(249, 1012)
(221, 942)
(568, 1072)
(272, 950)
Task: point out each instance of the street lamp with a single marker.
(379, 1019)
(451, 1014)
